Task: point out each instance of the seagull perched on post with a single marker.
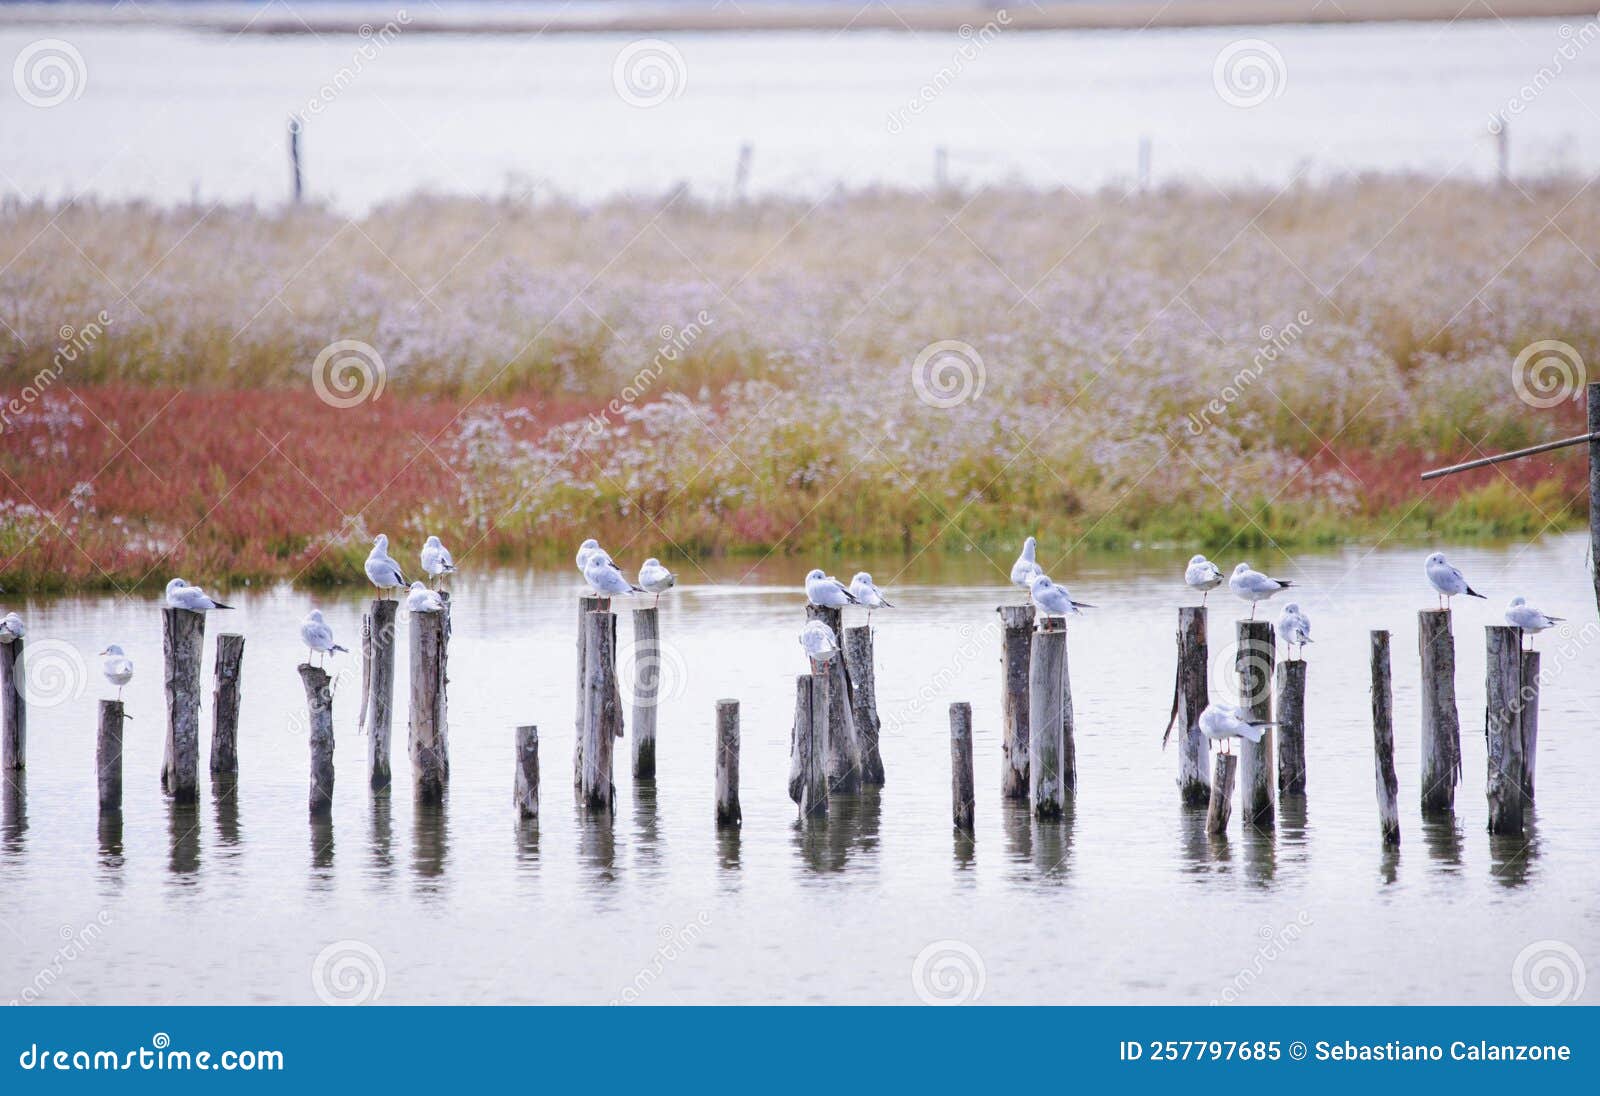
(1202, 575)
(1052, 598)
(423, 600)
(317, 635)
(11, 628)
(384, 572)
(828, 591)
(180, 595)
(1026, 567)
(1519, 614)
(436, 560)
(866, 592)
(1254, 586)
(1446, 580)
(607, 578)
(1294, 628)
(1222, 723)
(117, 667)
(585, 550)
(820, 644)
(656, 579)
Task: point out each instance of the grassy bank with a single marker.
(1181, 366)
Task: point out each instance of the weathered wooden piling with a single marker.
(646, 691)
(427, 745)
(587, 605)
(1254, 660)
(1047, 749)
(1190, 694)
(1291, 732)
(962, 795)
(1529, 712)
(525, 788)
(1388, 784)
(183, 640)
(1016, 653)
(729, 813)
(319, 706)
(108, 756)
(1225, 769)
(225, 703)
(844, 747)
(13, 708)
(811, 744)
(1503, 727)
(602, 712)
(1441, 723)
(1593, 392)
(377, 632)
(858, 669)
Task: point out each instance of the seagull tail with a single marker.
(1284, 582)
(219, 605)
(851, 598)
(887, 604)
(1473, 593)
(638, 589)
(336, 647)
(1083, 605)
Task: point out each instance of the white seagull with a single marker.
(423, 600)
(606, 578)
(1222, 723)
(1448, 581)
(585, 550)
(1026, 567)
(865, 591)
(436, 559)
(117, 667)
(1519, 614)
(384, 572)
(828, 591)
(180, 595)
(1052, 598)
(818, 640)
(656, 579)
(1202, 575)
(1254, 586)
(317, 635)
(1294, 628)
(11, 628)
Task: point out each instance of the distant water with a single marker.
(241, 900)
(169, 115)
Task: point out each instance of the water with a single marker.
(1128, 901)
(168, 115)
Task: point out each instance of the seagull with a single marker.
(865, 591)
(818, 640)
(423, 600)
(585, 550)
(1053, 599)
(180, 595)
(318, 636)
(1519, 614)
(1222, 723)
(1254, 586)
(11, 628)
(1448, 581)
(436, 559)
(1202, 575)
(826, 590)
(384, 572)
(1294, 628)
(1026, 567)
(117, 667)
(656, 579)
(606, 577)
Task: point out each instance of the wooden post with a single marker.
(844, 748)
(1046, 699)
(13, 708)
(602, 712)
(1291, 707)
(525, 788)
(378, 627)
(646, 691)
(1383, 740)
(295, 127)
(1503, 728)
(1528, 698)
(1015, 657)
(225, 703)
(586, 606)
(811, 743)
(728, 813)
(427, 745)
(1222, 777)
(864, 701)
(1190, 694)
(319, 703)
(1594, 488)
(962, 796)
(1254, 663)
(1441, 724)
(108, 756)
(183, 639)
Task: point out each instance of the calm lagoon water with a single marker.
(1128, 901)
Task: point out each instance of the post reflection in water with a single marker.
(597, 843)
(322, 849)
(183, 831)
(382, 839)
(14, 811)
(1513, 857)
(850, 830)
(1442, 834)
(1260, 854)
(647, 843)
(109, 827)
(430, 842)
(729, 846)
(225, 802)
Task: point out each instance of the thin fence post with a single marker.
(108, 756)
(1016, 653)
(1189, 697)
(1528, 699)
(183, 635)
(319, 706)
(1441, 722)
(1226, 767)
(587, 604)
(1257, 652)
(1503, 728)
(1291, 731)
(427, 745)
(525, 788)
(225, 695)
(859, 671)
(729, 814)
(844, 748)
(378, 630)
(13, 707)
(811, 743)
(602, 712)
(1046, 700)
(646, 690)
(962, 796)
(1388, 785)
(295, 127)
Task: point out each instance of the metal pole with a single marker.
(1592, 437)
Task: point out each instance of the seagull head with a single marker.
(1196, 559)
(1028, 547)
(380, 543)
(1517, 602)
(415, 586)
(1292, 609)
(861, 576)
(1241, 569)
(316, 615)
(652, 562)
(1437, 557)
(816, 575)
(589, 545)
(432, 542)
(113, 649)
(1040, 581)
(176, 584)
